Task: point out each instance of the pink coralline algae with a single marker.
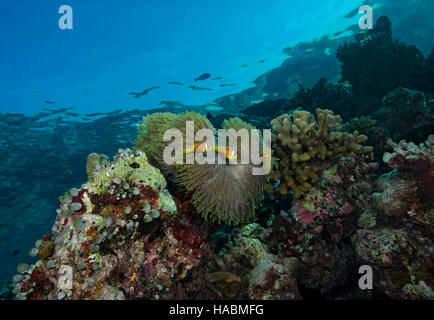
(343, 187)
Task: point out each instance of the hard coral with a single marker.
(396, 194)
(415, 158)
(301, 144)
(375, 130)
(263, 275)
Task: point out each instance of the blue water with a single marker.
(117, 47)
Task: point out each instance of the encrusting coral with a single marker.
(227, 192)
(419, 159)
(398, 242)
(300, 143)
(263, 275)
(317, 227)
(121, 236)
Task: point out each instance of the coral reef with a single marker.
(263, 275)
(418, 159)
(316, 228)
(121, 238)
(400, 256)
(406, 114)
(380, 55)
(375, 131)
(337, 97)
(396, 239)
(301, 144)
(307, 250)
(124, 236)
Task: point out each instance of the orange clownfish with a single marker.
(227, 152)
(204, 147)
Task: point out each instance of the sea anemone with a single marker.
(150, 138)
(226, 193)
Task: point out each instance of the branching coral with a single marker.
(226, 192)
(301, 143)
(375, 130)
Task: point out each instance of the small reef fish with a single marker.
(198, 146)
(227, 84)
(261, 61)
(199, 88)
(204, 147)
(177, 83)
(48, 102)
(56, 111)
(94, 114)
(144, 92)
(133, 277)
(203, 77)
(276, 184)
(217, 78)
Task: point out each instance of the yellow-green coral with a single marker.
(133, 166)
(301, 143)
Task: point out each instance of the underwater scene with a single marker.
(217, 150)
